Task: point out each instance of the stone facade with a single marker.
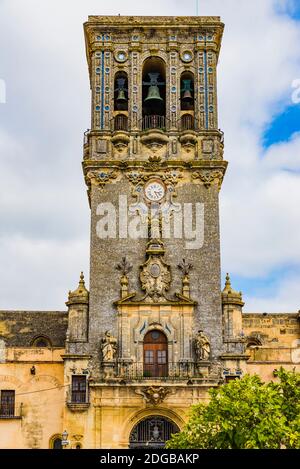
(155, 331)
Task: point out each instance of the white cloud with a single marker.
(43, 203)
(285, 299)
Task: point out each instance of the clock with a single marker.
(154, 190)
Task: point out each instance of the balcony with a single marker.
(163, 372)
(120, 123)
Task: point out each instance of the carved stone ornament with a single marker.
(209, 177)
(155, 277)
(154, 394)
(185, 267)
(171, 176)
(108, 347)
(102, 177)
(124, 266)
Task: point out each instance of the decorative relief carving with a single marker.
(171, 176)
(154, 394)
(101, 146)
(100, 178)
(209, 177)
(155, 278)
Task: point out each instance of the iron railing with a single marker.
(120, 122)
(187, 122)
(168, 371)
(154, 122)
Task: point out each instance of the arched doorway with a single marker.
(152, 432)
(155, 354)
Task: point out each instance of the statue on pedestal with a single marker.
(202, 346)
(108, 347)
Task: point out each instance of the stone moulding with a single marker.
(78, 407)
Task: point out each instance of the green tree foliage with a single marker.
(246, 413)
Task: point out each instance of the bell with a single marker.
(187, 94)
(153, 93)
(121, 90)
(121, 96)
(153, 90)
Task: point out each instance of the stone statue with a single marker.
(108, 347)
(202, 346)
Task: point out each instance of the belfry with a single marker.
(154, 332)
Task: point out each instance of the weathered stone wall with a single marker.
(273, 329)
(19, 328)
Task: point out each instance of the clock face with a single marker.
(155, 191)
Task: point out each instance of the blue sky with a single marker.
(44, 213)
(283, 126)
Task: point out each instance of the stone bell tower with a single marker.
(153, 165)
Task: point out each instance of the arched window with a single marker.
(187, 91)
(121, 92)
(55, 441)
(41, 341)
(152, 432)
(154, 93)
(155, 354)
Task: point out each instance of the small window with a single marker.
(41, 341)
(7, 404)
(79, 389)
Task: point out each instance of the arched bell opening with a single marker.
(187, 101)
(155, 354)
(152, 432)
(154, 93)
(121, 92)
(187, 91)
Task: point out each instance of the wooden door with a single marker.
(155, 354)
